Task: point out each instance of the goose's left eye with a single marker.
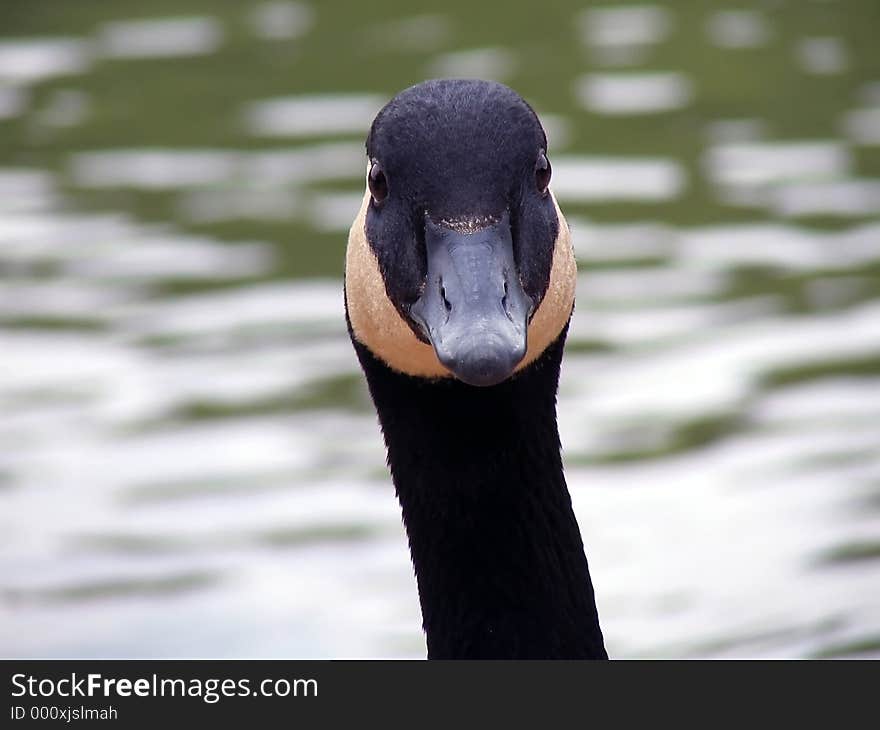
(542, 173)
(377, 182)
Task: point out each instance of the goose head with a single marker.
(459, 263)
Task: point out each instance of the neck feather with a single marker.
(495, 544)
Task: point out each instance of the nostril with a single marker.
(446, 302)
(506, 304)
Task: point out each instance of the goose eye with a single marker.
(542, 173)
(377, 182)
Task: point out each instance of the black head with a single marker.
(460, 228)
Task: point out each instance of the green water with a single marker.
(197, 102)
(721, 391)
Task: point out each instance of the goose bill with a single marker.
(473, 309)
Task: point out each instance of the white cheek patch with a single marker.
(377, 324)
(558, 302)
(374, 320)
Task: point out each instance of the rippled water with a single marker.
(189, 462)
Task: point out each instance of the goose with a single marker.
(459, 287)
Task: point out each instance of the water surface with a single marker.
(189, 462)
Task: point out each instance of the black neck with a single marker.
(496, 548)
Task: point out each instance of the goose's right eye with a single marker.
(542, 173)
(377, 182)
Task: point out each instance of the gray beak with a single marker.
(473, 309)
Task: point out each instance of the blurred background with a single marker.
(189, 462)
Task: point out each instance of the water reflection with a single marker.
(478, 63)
(738, 29)
(633, 93)
(31, 60)
(166, 37)
(282, 20)
(822, 56)
(581, 179)
(312, 115)
(863, 125)
(189, 463)
(623, 35)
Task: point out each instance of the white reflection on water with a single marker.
(843, 198)
(326, 161)
(742, 171)
(317, 115)
(633, 93)
(326, 212)
(775, 244)
(260, 185)
(334, 212)
(763, 162)
(654, 321)
(622, 35)
(290, 303)
(862, 126)
(158, 169)
(214, 205)
(202, 474)
(824, 402)
(586, 178)
(869, 93)
(89, 247)
(739, 513)
(416, 34)
(632, 25)
(655, 283)
(274, 535)
(558, 130)
(185, 257)
(738, 29)
(822, 56)
(24, 189)
(498, 64)
(224, 185)
(35, 297)
(12, 101)
(282, 19)
(713, 373)
(28, 61)
(619, 241)
(160, 37)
